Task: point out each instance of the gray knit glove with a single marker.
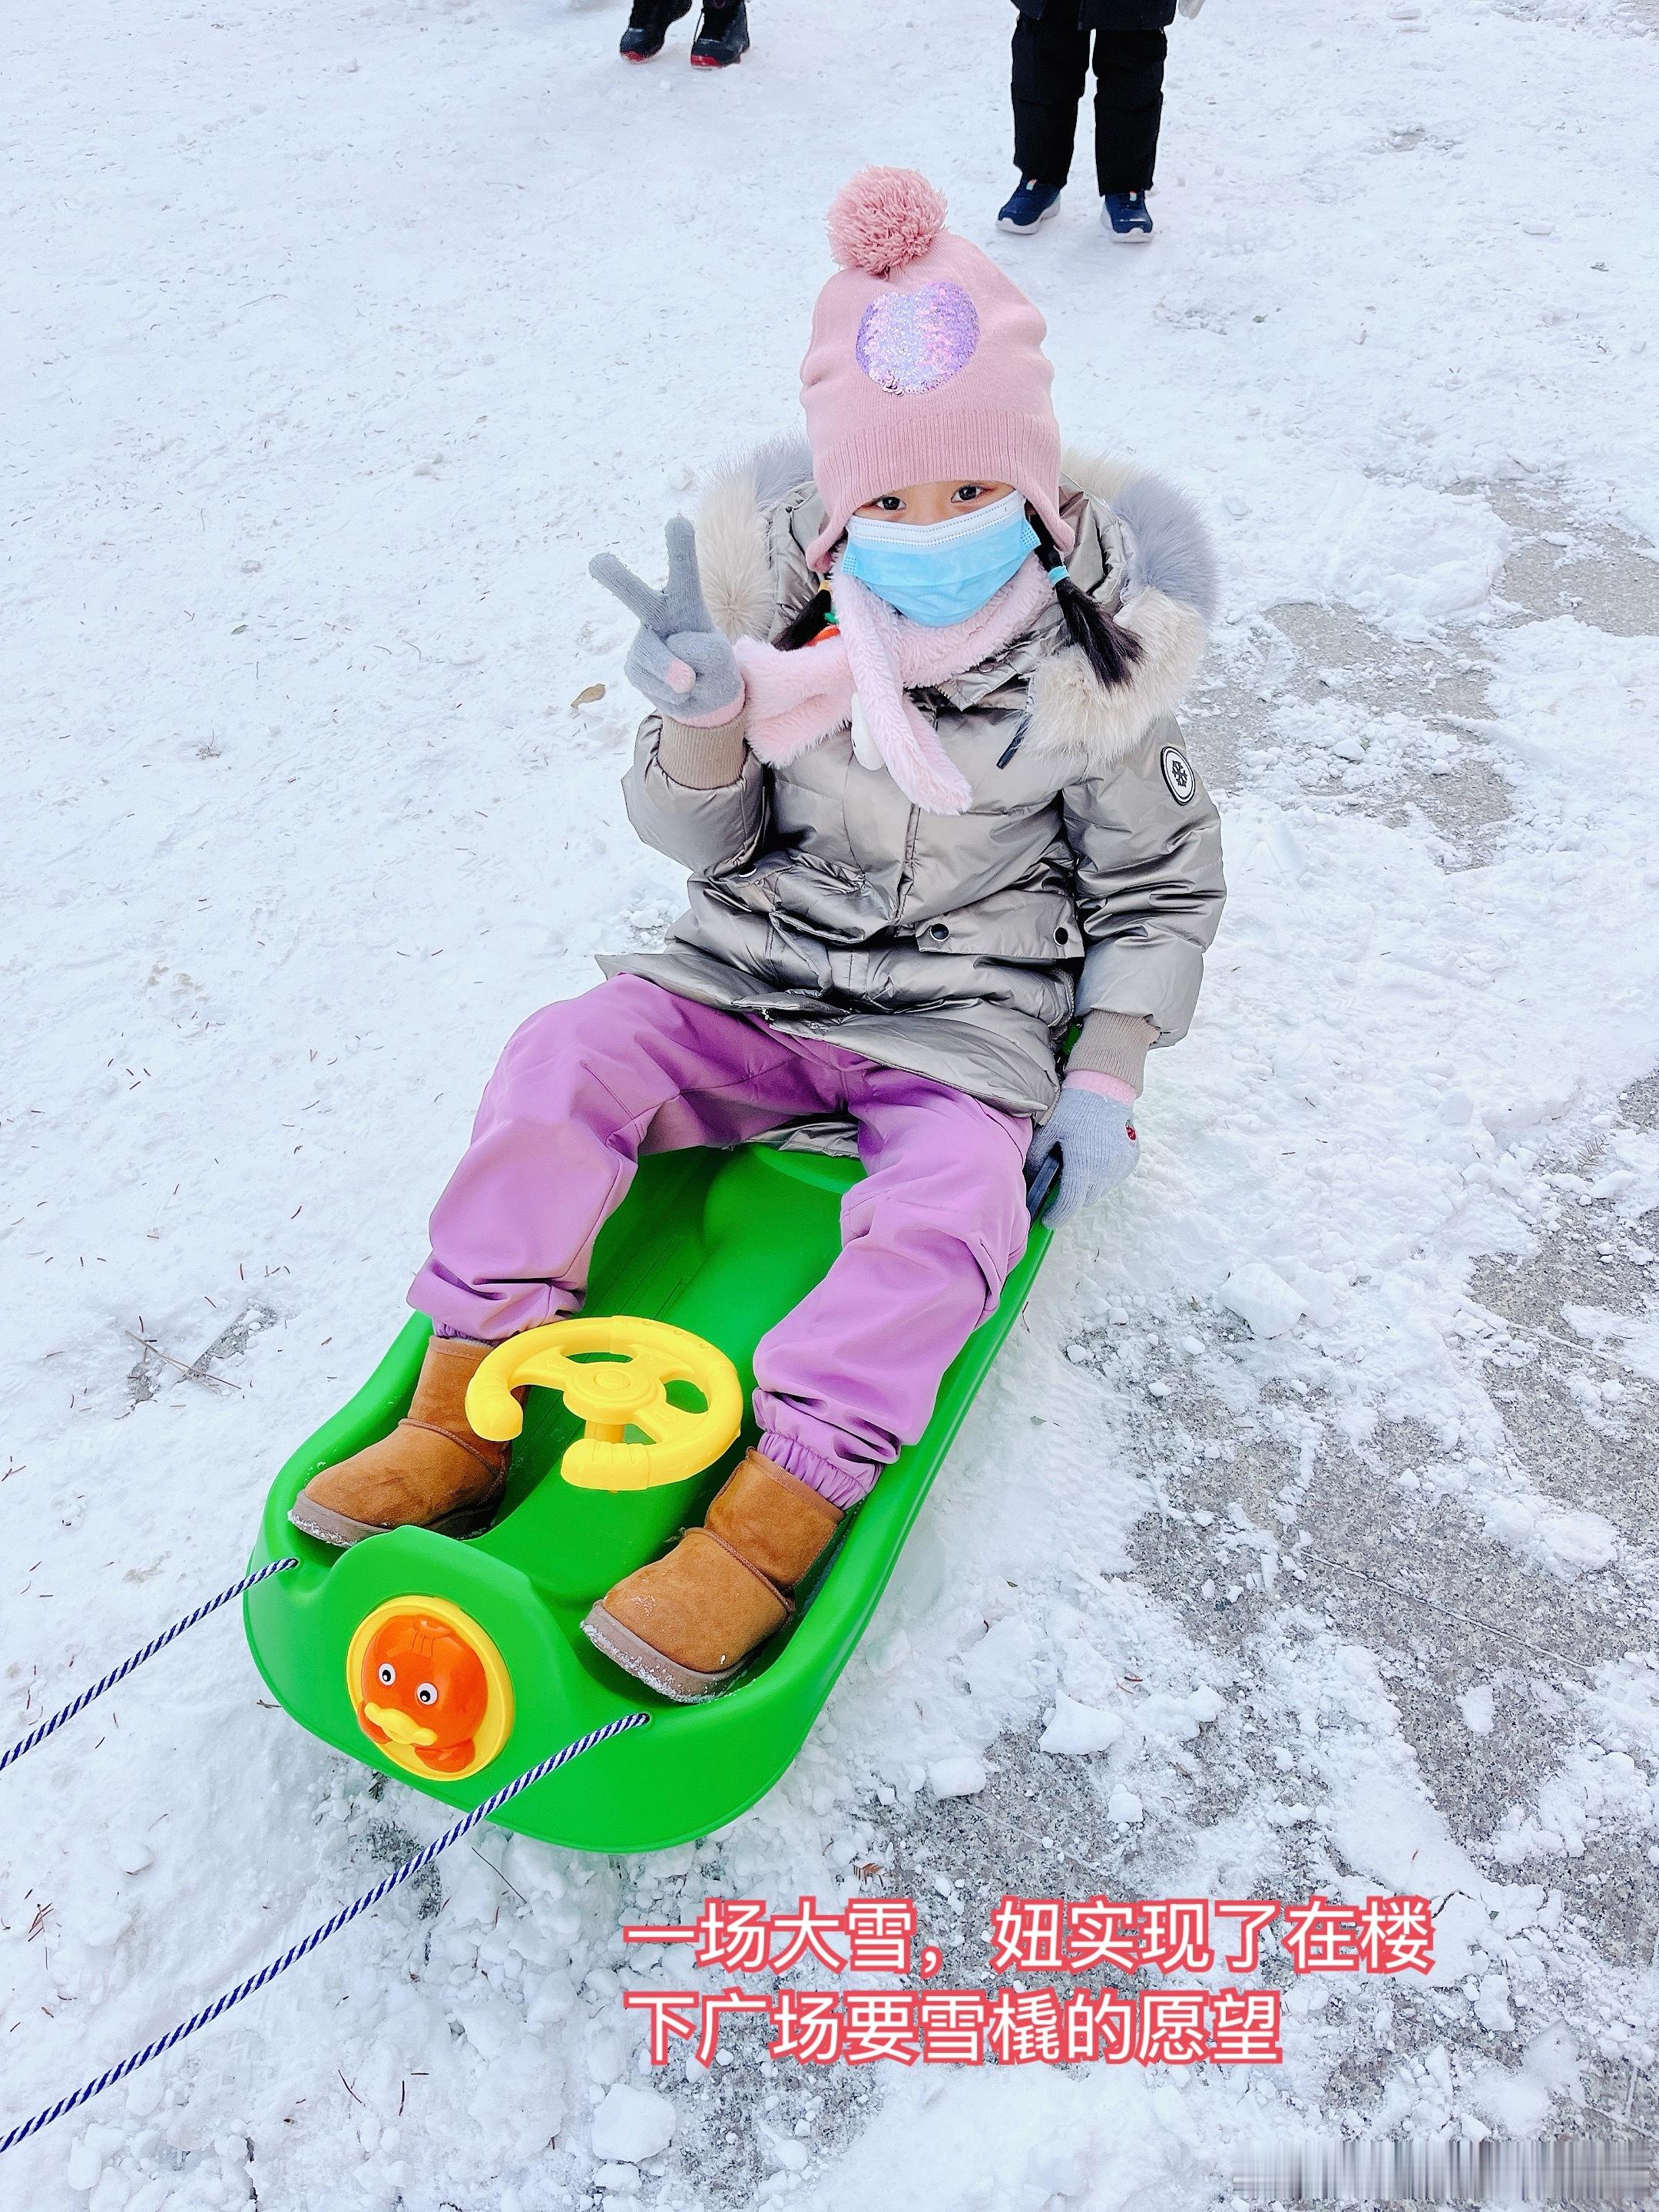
(1096, 1139)
(679, 661)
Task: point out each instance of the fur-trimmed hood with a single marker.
(1142, 552)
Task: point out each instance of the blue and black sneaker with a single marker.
(1033, 202)
(1124, 215)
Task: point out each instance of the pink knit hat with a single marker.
(926, 361)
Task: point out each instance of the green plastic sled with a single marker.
(723, 1244)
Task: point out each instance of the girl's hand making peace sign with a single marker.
(679, 661)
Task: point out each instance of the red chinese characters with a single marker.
(1160, 2023)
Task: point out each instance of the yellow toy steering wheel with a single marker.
(613, 1395)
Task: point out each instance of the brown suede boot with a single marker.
(432, 1472)
(687, 1624)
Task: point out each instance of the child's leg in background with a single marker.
(930, 1236)
(581, 1090)
(1051, 67)
(1129, 105)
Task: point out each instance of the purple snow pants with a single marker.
(929, 1236)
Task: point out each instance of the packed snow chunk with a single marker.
(1000, 1666)
(1124, 1809)
(1638, 1151)
(1407, 557)
(1632, 1338)
(962, 1777)
(1516, 2103)
(1163, 1715)
(1565, 1543)
(1056, 2170)
(493, 2027)
(1552, 2059)
(1476, 1707)
(783, 2151)
(145, 2094)
(532, 1869)
(632, 2124)
(1577, 1543)
(679, 1861)
(87, 2156)
(1077, 1729)
(102, 1925)
(1318, 1292)
(607, 2058)
(554, 1996)
(1492, 2004)
(1263, 1299)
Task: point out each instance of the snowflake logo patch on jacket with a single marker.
(1178, 774)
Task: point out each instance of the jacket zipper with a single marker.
(1015, 741)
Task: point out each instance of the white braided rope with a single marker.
(409, 1868)
(119, 1673)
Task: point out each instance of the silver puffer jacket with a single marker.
(1086, 874)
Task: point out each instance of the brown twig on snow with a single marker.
(195, 1374)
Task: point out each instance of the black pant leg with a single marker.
(1129, 105)
(1051, 67)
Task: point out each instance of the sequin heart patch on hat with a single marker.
(911, 342)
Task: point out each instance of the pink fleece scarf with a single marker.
(797, 699)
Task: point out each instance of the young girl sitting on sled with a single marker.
(912, 737)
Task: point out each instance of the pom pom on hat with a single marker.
(883, 219)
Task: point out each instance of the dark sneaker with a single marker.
(1124, 215)
(1032, 204)
(648, 27)
(722, 35)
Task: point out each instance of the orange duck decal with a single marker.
(429, 1688)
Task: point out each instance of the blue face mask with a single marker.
(939, 572)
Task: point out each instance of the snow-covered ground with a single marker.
(336, 342)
